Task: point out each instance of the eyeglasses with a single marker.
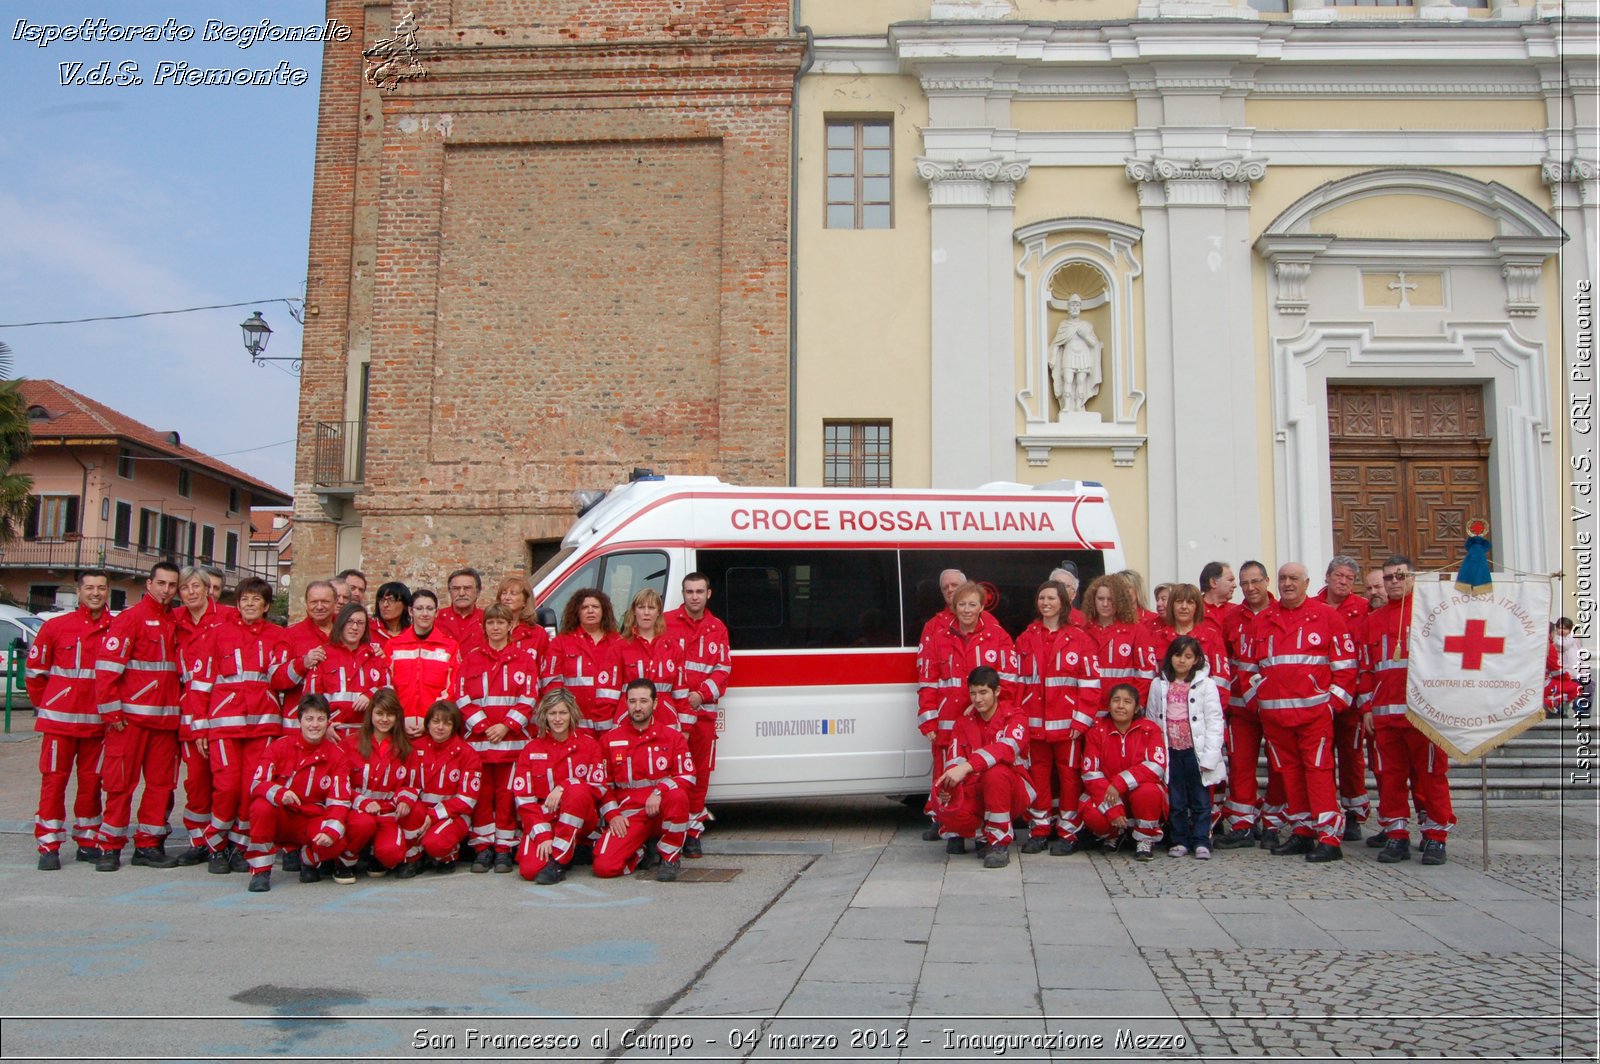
(1389, 577)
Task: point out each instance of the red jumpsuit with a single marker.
(191, 716)
(659, 660)
(60, 680)
(234, 668)
(137, 687)
(423, 669)
(640, 762)
(1408, 764)
(578, 767)
(449, 778)
(1348, 754)
(319, 776)
(998, 790)
(534, 641)
(1124, 656)
(592, 672)
(707, 671)
(302, 638)
(1300, 665)
(466, 630)
(1061, 697)
(497, 687)
(381, 781)
(1243, 737)
(1135, 763)
(345, 675)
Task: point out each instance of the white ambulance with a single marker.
(825, 592)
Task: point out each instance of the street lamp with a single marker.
(256, 334)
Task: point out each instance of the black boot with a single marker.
(484, 861)
(1035, 844)
(1378, 841)
(1294, 844)
(997, 857)
(108, 861)
(88, 853)
(955, 844)
(1234, 839)
(1063, 847)
(260, 883)
(192, 856)
(550, 874)
(151, 857)
(50, 861)
(1395, 851)
(1352, 829)
(218, 864)
(310, 873)
(1433, 852)
(291, 860)
(1324, 852)
(691, 846)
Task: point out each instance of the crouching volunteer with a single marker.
(449, 779)
(559, 783)
(381, 771)
(1125, 774)
(300, 796)
(651, 773)
(985, 786)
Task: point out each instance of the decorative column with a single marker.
(973, 347)
(1206, 463)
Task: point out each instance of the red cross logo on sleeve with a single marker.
(1473, 644)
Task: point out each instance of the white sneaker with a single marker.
(1143, 851)
(1202, 853)
(1179, 850)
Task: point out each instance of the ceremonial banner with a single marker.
(1477, 662)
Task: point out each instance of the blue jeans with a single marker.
(1190, 798)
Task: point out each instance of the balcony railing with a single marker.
(102, 552)
(340, 454)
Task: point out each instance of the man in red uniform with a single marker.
(1301, 670)
(308, 641)
(300, 796)
(60, 681)
(424, 663)
(707, 668)
(985, 782)
(651, 772)
(355, 582)
(136, 688)
(462, 620)
(1406, 761)
(1339, 591)
(1244, 811)
(215, 584)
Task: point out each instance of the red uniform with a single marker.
(930, 694)
(943, 665)
(192, 712)
(592, 671)
(707, 671)
(659, 660)
(137, 686)
(1135, 763)
(1408, 765)
(381, 782)
(1243, 739)
(1348, 755)
(1300, 664)
(1212, 642)
(424, 669)
(61, 686)
(998, 790)
(344, 676)
(1061, 697)
(465, 629)
(319, 776)
(449, 779)
(1123, 656)
(497, 687)
(578, 768)
(534, 641)
(234, 668)
(641, 762)
(302, 637)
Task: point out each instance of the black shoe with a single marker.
(931, 833)
(151, 857)
(260, 883)
(1035, 844)
(1396, 851)
(237, 861)
(997, 857)
(291, 860)
(667, 872)
(1064, 847)
(50, 861)
(1433, 852)
(161, 846)
(218, 863)
(582, 854)
(980, 849)
(1232, 840)
(444, 868)
(407, 870)
(310, 873)
(108, 861)
(1352, 829)
(503, 862)
(88, 853)
(649, 858)
(344, 875)
(1378, 841)
(955, 844)
(691, 847)
(1269, 840)
(484, 861)
(1324, 852)
(192, 856)
(1294, 844)
(550, 874)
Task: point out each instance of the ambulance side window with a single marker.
(1011, 576)
(621, 576)
(805, 599)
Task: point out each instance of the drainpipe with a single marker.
(83, 506)
(794, 240)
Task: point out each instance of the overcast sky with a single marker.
(121, 199)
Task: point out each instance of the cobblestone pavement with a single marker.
(1335, 1003)
(1255, 873)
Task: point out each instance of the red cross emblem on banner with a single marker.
(1473, 644)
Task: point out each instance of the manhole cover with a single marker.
(707, 875)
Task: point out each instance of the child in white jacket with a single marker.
(1185, 703)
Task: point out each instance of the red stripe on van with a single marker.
(823, 668)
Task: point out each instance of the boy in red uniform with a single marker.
(651, 773)
(300, 796)
(985, 785)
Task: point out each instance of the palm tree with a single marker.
(15, 442)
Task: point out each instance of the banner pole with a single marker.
(1483, 806)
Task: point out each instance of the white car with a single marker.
(17, 629)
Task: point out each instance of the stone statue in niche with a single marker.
(1075, 360)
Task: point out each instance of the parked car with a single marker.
(17, 629)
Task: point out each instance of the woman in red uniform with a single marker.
(393, 603)
(383, 775)
(1185, 615)
(194, 615)
(559, 782)
(649, 655)
(353, 669)
(1125, 774)
(499, 688)
(449, 777)
(1124, 643)
(586, 659)
(516, 595)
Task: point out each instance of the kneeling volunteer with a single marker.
(1125, 774)
(300, 796)
(984, 786)
(651, 772)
